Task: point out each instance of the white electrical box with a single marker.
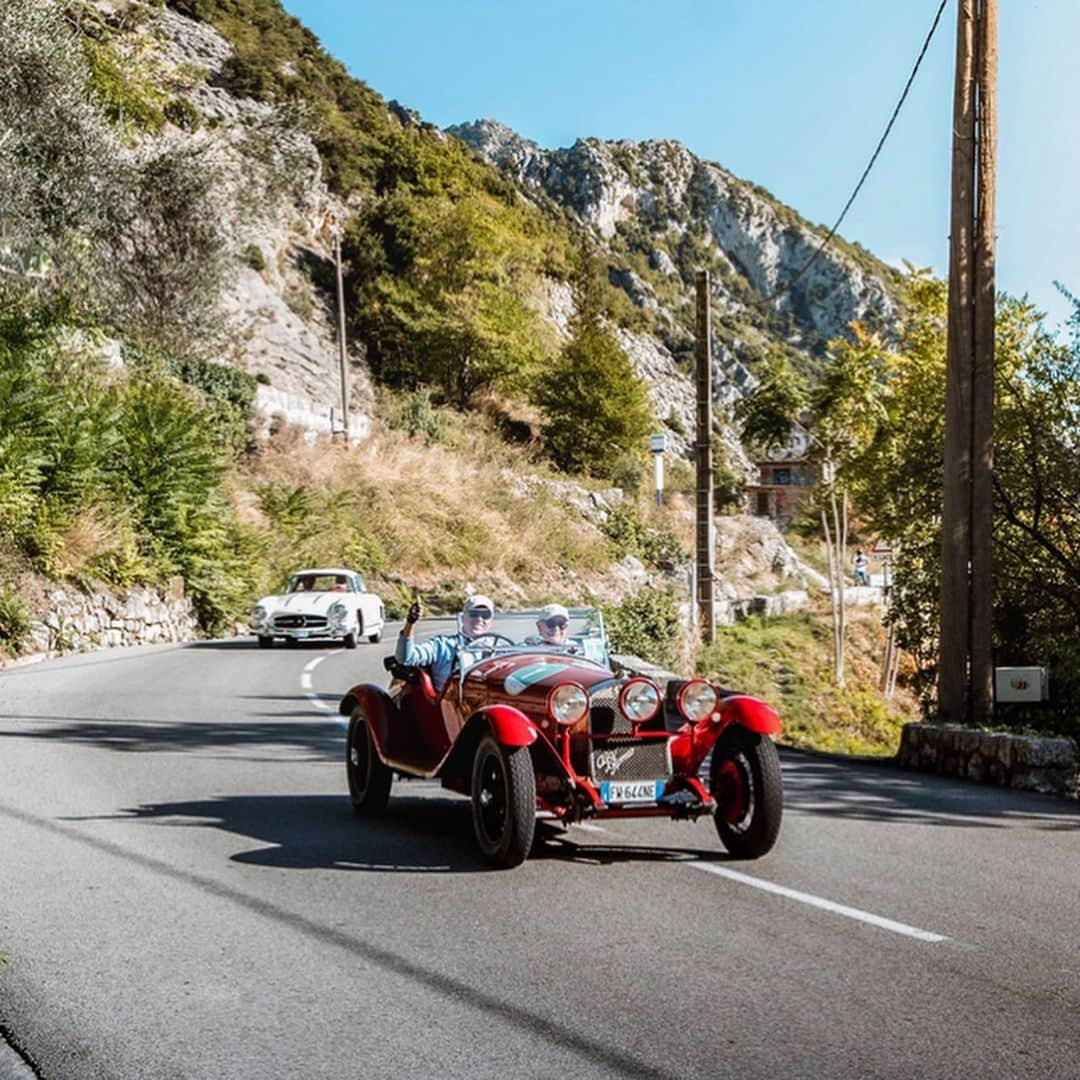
(1021, 684)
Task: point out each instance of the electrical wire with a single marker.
(866, 172)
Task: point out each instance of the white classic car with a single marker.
(319, 603)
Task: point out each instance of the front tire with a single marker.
(749, 793)
(265, 642)
(349, 641)
(503, 803)
(369, 777)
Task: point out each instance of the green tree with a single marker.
(596, 406)
(1036, 512)
(440, 285)
(841, 414)
(846, 409)
(779, 399)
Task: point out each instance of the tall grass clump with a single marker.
(114, 476)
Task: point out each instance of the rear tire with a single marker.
(369, 777)
(265, 642)
(503, 803)
(749, 792)
(375, 638)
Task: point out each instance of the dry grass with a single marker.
(436, 517)
(787, 661)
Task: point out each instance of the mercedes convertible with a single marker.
(532, 731)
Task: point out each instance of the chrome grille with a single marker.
(604, 715)
(298, 622)
(630, 759)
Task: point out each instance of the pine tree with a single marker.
(596, 406)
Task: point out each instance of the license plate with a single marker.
(631, 791)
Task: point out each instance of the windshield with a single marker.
(319, 583)
(524, 629)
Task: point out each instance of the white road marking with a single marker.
(818, 902)
(305, 684)
(590, 828)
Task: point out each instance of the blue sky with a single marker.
(790, 94)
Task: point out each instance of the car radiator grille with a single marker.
(630, 759)
(299, 622)
(614, 752)
(604, 715)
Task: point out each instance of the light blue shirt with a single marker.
(437, 654)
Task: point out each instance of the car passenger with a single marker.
(438, 653)
(552, 628)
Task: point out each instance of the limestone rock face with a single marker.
(646, 201)
(277, 216)
(661, 186)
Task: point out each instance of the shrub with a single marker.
(416, 415)
(645, 625)
(14, 622)
(183, 114)
(228, 392)
(253, 256)
(653, 546)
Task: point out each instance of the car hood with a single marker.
(519, 671)
(308, 603)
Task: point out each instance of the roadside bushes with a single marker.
(14, 622)
(654, 546)
(646, 625)
(113, 476)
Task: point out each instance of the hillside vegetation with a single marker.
(127, 450)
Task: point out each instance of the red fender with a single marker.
(378, 709)
(752, 713)
(510, 726)
(694, 742)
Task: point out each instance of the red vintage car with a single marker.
(530, 731)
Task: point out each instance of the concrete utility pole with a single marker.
(342, 357)
(703, 446)
(965, 666)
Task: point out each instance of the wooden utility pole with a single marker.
(703, 447)
(982, 383)
(342, 357)
(965, 662)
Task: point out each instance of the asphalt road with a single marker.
(184, 892)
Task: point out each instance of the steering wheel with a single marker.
(493, 640)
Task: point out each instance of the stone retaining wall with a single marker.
(1023, 762)
(82, 622)
(784, 603)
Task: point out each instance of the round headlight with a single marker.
(697, 699)
(336, 612)
(639, 700)
(258, 614)
(567, 703)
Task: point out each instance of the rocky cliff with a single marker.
(661, 213)
(273, 211)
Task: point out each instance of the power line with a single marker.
(866, 172)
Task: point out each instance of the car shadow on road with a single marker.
(883, 792)
(429, 833)
(316, 736)
(302, 832)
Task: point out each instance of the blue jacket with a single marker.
(437, 654)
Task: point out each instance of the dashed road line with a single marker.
(819, 902)
(305, 684)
